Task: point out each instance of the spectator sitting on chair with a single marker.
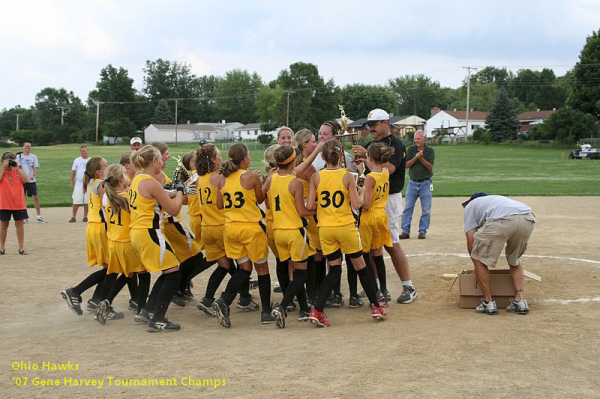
(30, 165)
(420, 158)
(12, 200)
(79, 197)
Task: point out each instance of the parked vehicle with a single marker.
(586, 151)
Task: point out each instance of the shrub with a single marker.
(265, 138)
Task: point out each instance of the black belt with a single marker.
(420, 180)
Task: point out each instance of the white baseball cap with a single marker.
(377, 115)
(135, 140)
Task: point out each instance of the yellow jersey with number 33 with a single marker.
(239, 204)
(333, 201)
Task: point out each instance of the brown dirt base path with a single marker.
(430, 348)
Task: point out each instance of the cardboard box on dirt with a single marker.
(501, 286)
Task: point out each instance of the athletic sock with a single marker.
(264, 288)
(352, 280)
(164, 296)
(151, 303)
(407, 283)
(107, 284)
(232, 267)
(143, 289)
(368, 285)
(117, 287)
(233, 286)
(380, 264)
(90, 281)
(296, 285)
(311, 278)
(244, 288)
(333, 278)
(370, 269)
(132, 285)
(215, 279)
(282, 275)
(321, 272)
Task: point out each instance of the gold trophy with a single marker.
(354, 137)
(183, 175)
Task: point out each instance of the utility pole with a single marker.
(287, 118)
(17, 122)
(175, 122)
(97, 118)
(468, 95)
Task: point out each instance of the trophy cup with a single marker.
(183, 175)
(354, 137)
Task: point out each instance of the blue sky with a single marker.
(66, 43)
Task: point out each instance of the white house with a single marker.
(191, 132)
(250, 131)
(454, 121)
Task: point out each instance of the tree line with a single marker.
(169, 88)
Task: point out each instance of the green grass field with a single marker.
(459, 170)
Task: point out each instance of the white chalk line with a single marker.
(559, 301)
(570, 301)
(464, 255)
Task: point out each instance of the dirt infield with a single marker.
(430, 348)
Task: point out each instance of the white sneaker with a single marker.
(487, 307)
(40, 219)
(519, 307)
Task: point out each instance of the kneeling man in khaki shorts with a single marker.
(491, 221)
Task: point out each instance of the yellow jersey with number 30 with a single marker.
(333, 201)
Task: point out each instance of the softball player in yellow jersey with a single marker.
(208, 160)
(305, 141)
(374, 231)
(146, 196)
(245, 238)
(286, 201)
(95, 238)
(335, 191)
(122, 259)
(186, 249)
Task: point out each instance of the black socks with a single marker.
(215, 279)
(90, 281)
(143, 289)
(164, 296)
(380, 265)
(331, 280)
(368, 285)
(264, 288)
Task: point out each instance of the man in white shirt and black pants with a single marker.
(30, 164)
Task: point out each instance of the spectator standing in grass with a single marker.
(12, 200)
(30, 164)
(79, 197)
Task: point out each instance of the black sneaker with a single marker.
(112, 315)
(205, 305)
(187, 293)
(253, 284)
(222, 312)
(355, 302)
(73, 300)
(278, 314)
(338, 301)
(329, 302)
(101, 313)
(387, 295)
(408, 295)
(132, 305)
(291, 307)
(143, 317)
(303, 315)
(246, 303)
(278, 289)
(179, 299)
(267, 318)
(162, 325)
(91, 305)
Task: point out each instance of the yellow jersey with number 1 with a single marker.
(283, 204)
